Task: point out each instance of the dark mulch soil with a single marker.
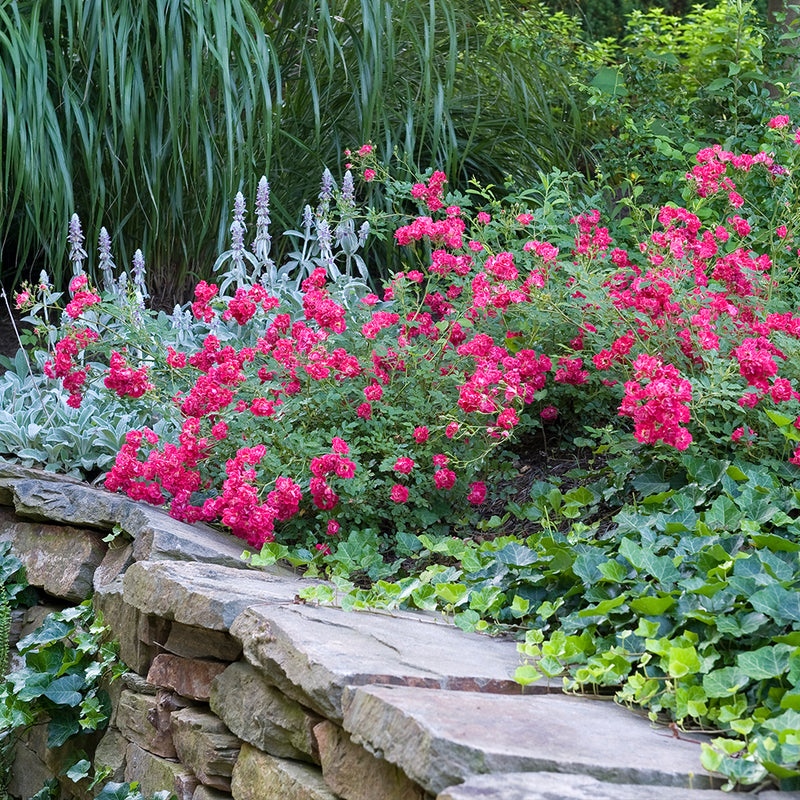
(8, 337)
(535, 459)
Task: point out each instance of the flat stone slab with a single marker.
(311, 653)
(61, 559)
(46, 496)
(552, 786)
(441, 738)
(259, 776)
(204, 595)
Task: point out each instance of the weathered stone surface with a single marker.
(11, 472)
(311, 653)
(206, 746)
(258, 776)
(138, 634)
(136, 683)
(59, 559)
(207, 793)
(261, 715)
(66, 501)
(114, 563)
(355, 774)
(110, 753)
(190, 677)
(156, 774)
(144, 720)
(159, 537)
(190, 641)
(203, 595)
(552, 786)
(29, 773)
(440, 738)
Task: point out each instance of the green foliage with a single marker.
(601, 19)
(67, 660)
(14, 592)
(127, 791)
(145, 117)
(675, 85)
(140, 115)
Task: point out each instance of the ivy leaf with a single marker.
(652, 606)
(65, 691)
(29, 685)
(766, 662)
(724, 682)
(660, 567)
(51, 631)
(723, 515)
(516, 555)
(602, 608)
(788, 721)
(79, 770)
(613, 571)
(526, 674)
(609, 80)
(781, 420)
(781, 604)
(587, 565)
(774, 542)
(62, 725)
(683, 661)
(650, 483)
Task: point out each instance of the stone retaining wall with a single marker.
(237, 689)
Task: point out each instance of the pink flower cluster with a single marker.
(318, 305)
(592, 239)
(243, 306)
(445, 231)
(709, 176)
(124, 380)
(432, 192)
(82, 297)
(657, 401)
(63, 364)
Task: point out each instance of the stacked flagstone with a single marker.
(238, 690)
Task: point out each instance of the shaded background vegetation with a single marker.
(147, 117)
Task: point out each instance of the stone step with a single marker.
(441, 738)
(312, 653)
(206, 596)
(553, 786)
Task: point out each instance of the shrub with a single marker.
(325, 386)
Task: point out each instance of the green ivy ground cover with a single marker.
(680, 597)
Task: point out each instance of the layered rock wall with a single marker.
(236, 689)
